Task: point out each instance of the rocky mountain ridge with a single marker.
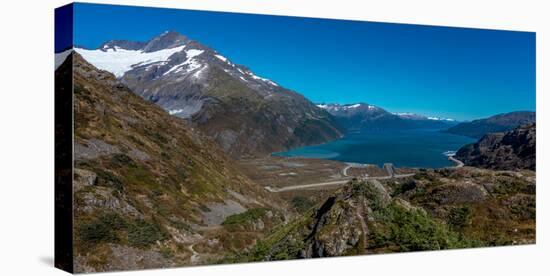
(497, 123)
(363, 116)
(511, 150)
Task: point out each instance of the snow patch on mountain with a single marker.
(198, 74)
(193, 53)
(222, 58)
(189, 65)
(403, 113)
(440, 119)
(414, 116)
(175, 111)
(119, 61)
(345, 107)
(260, 78)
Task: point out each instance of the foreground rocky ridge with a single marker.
(149, 191)
(436, 209)
(515, 149)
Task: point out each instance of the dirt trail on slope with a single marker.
(359, 210)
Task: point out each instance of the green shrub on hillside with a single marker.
(405, 187)
(102, 229)
(122, 160)
(142, 233)
(459, 217)
(413, 230)
(107, 179)
(249, 215)
(302, 204)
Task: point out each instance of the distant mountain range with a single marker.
(363, 116)
(511, 150)
(249, 115)
(246, 114)
(498, 123)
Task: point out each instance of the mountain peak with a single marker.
(121, 44)
(414, 116)
(166, 40)
(497, 123)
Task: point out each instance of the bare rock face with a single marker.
(83, 178)
(93, 148)
(122, 257)
(512, 150)
(459, 193)
(326, 240)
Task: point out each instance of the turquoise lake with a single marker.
(411, 148)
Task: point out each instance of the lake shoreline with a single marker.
(407, 149)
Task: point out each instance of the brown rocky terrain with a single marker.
(433, 210)
(512, 150)
(149, 191)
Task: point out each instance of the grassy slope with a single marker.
(162, 170)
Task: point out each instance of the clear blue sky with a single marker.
(453, 72)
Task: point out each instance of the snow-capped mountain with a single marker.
(245, 112)
(362, 116)
(347, 108)
(414, 116)
(169, 55)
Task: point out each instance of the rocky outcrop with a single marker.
(486, 206)
(433, 210)
(326, 240)
(337, 227)
(512, 150)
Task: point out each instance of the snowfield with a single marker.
(119, 61)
